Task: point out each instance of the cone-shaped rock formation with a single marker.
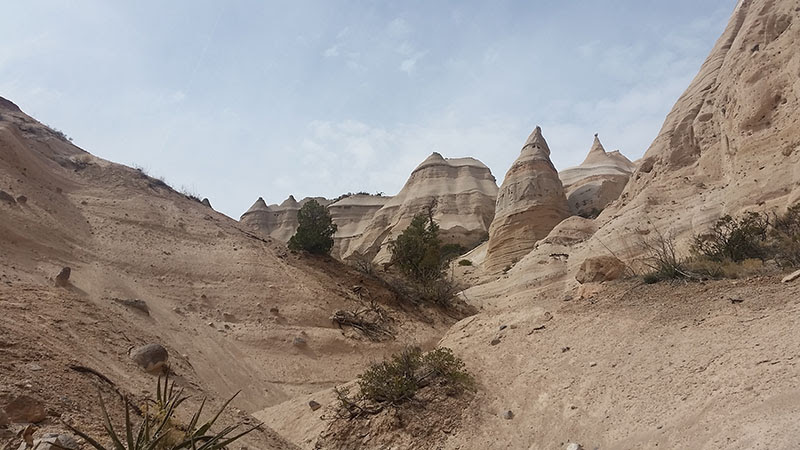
(530, 203)
(598, 181)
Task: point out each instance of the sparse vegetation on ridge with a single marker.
(392, 382)
(315, 230)
(732, 248)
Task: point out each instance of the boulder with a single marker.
(62, 279)
(25, 409)
(6, 197)
(597, 269)
(150, 357)
(530, 203)
(53, 441)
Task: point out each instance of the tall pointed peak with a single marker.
(536, 141)
(259, 205)
(289, 201)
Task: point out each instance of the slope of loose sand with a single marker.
(210, 286)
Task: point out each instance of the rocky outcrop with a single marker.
(277, 221)
(598, 181)
(352, 215)
(730, 142)
(463, 191)
(530, 203)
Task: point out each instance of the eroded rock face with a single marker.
(530, 203)
(352, 215)
(277, 221)
(464, 192)
(731, 141)
(598, 181)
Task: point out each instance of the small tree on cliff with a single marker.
(315, 230)
(417, 252)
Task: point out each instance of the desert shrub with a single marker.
(417, 251)
(361, 263)
(784, 237)
(735, 239)
(396, 380)
(159, 429)
(662, 261)
(451, 251)
(465, 262)
(315, 230)
(708, 268)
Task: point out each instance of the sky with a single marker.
(235, 100)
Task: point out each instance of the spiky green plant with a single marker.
(157, 428)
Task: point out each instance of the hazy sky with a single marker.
(240, 99)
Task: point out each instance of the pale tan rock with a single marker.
(530, 203)
(597, 269)
(464, 192)
(599, 180)
(791, 277)
(352, 215)
(730, 143)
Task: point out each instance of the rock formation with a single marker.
(277, 221)
(730, 142)
(352, 215)
(463, 190)
(530, 203)
(598, 181)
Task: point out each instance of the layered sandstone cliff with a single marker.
(277, 221)
(599, 180)
(352, 215)
(530, 203)
(463, 191)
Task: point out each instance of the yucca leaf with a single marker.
(85, 437)
(109, 427)
(129, 427)
(203, 429)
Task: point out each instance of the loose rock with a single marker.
(508, 415)
(597, 269)
(6, 197)
(22, 199)
(54, 441)
(791, 277)
(134, 303)
(314, 405)
(574, 446)
(25, 409)
(62, 279)
(150, 357)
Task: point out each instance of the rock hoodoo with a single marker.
(463, 190)
(277, 221)
(599, 180)
(530, 203)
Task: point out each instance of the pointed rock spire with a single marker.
(289, 202)
(530, 203)
(536, 142)
(259, 205)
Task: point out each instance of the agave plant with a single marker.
(157, 431)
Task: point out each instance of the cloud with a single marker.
(332, 52)
(398, 27)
